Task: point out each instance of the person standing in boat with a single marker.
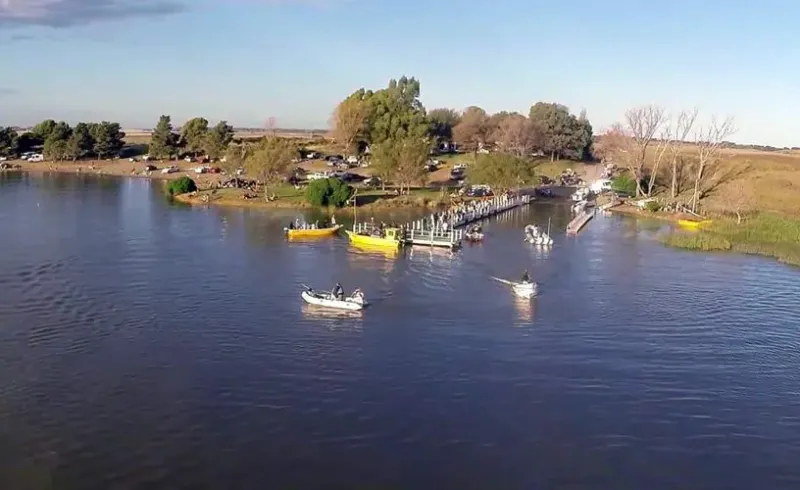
(338, 292)
(526, 278)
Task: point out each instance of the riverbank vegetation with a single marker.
(761, 234)
(690, 171)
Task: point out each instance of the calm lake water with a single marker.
(147, 345)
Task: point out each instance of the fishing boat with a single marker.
(692, 224)
(521, 289)
(311, 232)
(354, 302)
(375, 237)
(369, 235)
(474, 234)
(537, 237)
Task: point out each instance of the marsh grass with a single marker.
(763, 234)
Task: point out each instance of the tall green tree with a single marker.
(55, 145)
(163, 141)
(582, 137)
(8, 141)
(396, 112)
(193, 135)
(80, 143)
(108, 139)
(218, 139)
(556, 125)
(443, 121)
(41, 131)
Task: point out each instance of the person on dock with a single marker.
(338, 292)
(526, 278)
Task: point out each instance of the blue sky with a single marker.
(249, 60)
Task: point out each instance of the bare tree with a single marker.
(517, 135)
(473, 130)
(661, 147)
(709, 140)
(348, 123)
(739, 198)
(612, 144)
(678, 134)
(643, 123)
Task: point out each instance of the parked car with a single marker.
(170, 170)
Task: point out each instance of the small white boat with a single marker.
(543, 239)
(521, 289)
(474, 234)
(537, 236)
(354, 302)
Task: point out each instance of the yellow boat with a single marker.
(312, 233)
(693, 225)
(391, 238)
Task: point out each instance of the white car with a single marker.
(318, 175)
(170, 170)
(3, 159)
(36, 158)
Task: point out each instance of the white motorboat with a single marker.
(521, 289)
(354, 302)
(534, 235)
(475, 234)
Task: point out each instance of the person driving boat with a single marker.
(338, 292)
(526, 278)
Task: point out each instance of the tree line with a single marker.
(60, 141)
(195, 137)
(400, 133)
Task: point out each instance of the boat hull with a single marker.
(693, 225)
(521, 289)
(347, 304)
(320, 232)
(372, 241)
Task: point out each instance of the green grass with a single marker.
(764, 234)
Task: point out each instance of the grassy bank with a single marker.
(287, 196)
(764, 234)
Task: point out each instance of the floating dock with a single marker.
(441, 229)
(579, 222)
(433, 237)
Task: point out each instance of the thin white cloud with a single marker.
(67, 13)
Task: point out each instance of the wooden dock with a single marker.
(579, 222)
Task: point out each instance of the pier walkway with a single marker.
(441, 229)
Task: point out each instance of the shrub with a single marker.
(653, 206)
(624, 185)
(328, 192)
(342, 192)
(181, 186)
(318, 191)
